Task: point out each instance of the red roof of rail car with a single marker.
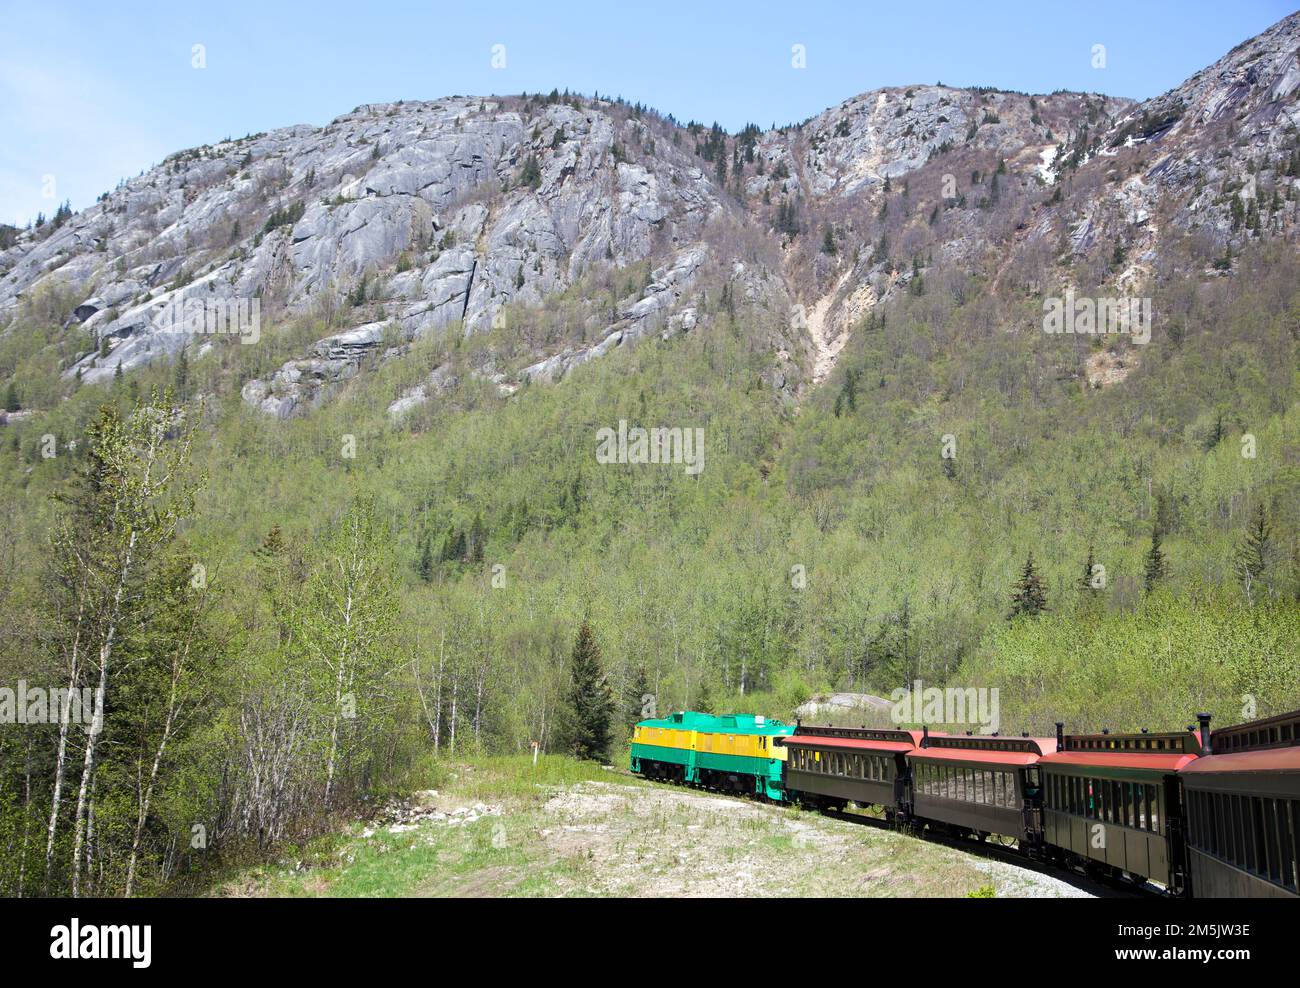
(856, 744)
(948, 754)
(1261, 760)
(1165, 761)
(870, 744)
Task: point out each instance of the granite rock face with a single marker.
(397, 221)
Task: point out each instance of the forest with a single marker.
(285, 620)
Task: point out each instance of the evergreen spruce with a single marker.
(477, 537)
(638, 688)
(1253, 557)
(589, 706)
(1085, 580)
(1030, 597)
(426, 566)
(1155, 567)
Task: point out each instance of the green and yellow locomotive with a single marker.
(731, 753)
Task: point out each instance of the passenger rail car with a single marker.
(1113, 802)
(1243, 811)
(829, 767)
(1202, 813)
(980, 785)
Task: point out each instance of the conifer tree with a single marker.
(589, 703)
(1085, 581)
(638, 689)
(425, 566)
(1030, 597)
(477, 537)
(1253, 556)
(1155, 567)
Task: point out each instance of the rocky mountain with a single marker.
(472, 215)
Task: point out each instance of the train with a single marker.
(1199, 813)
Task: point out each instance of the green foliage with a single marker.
(832, 549)
(589, 708)
(1150, 667)
(1030, 597)
(287, 216)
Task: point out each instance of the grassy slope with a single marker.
(569, 828)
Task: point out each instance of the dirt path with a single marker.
(669, 841)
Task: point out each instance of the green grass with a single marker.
(571, 828)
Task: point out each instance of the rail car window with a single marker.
(1253, 833)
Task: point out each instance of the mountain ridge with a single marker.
(402, 219)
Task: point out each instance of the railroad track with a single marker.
(1010, 854)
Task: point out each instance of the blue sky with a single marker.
(92, 92)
